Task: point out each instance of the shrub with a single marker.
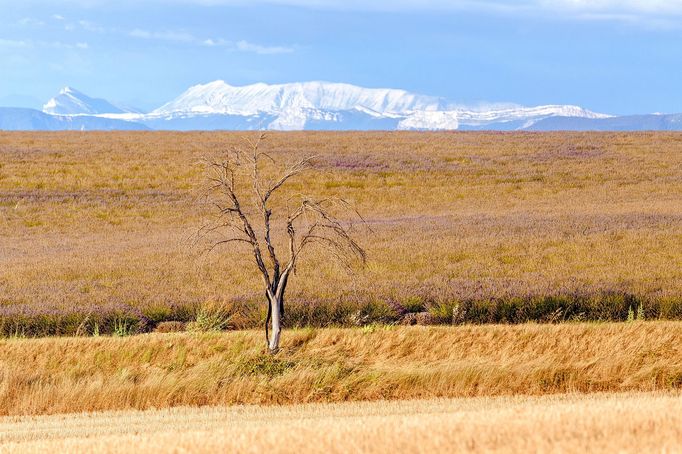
(123, 327)
(23, 320)
(211, 317)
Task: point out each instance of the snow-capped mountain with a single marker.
(220, 98)
(310, 105)
(315, 106)
(70, 101)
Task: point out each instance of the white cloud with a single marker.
(29, 21)
(617, 6)
(164, 35)
(652, 12)
(210, 42)
(91, 26)
(662, 13)
(246, 46)
(16, 44)
(57, 17)
(13, 44)
(184, 37)
(61, 45)
(633, 6)
(626, 6)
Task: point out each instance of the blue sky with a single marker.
(610, 56)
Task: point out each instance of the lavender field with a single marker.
(463, 228)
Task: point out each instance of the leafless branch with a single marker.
(312, 222)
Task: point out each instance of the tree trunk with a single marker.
(276, 320)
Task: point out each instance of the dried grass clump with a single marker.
(170, 327)
(211, 317)
(56, 375)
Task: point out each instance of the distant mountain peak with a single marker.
(68, 90)
(70, 101)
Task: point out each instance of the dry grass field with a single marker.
(499, 227)
(637, 423)
(467, 228)
(65, 375)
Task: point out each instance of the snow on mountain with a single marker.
(309, 105)
(481, 117)
(314, 106)
(220, 98)
(70, 101)
(427, 120)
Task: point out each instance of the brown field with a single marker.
(509, 226)
(470, 227)
(64, 375)
(637, 423)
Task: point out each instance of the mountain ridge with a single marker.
(220, 97)
(318, 105)
(25, 119)
(331, 105)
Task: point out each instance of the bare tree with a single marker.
(241, 195)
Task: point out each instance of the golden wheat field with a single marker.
(518, 226)
(65, 375)
(628, 422)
